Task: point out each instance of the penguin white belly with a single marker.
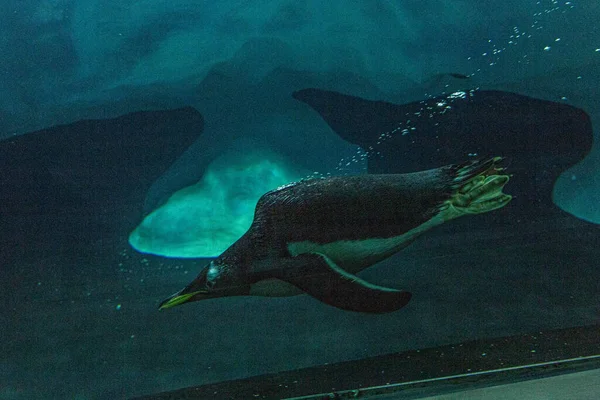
(356, 255)
(351, 255)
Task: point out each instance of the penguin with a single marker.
(313, 236)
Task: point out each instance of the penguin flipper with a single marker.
(319, 276)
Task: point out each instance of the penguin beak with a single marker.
(202, 288)
(183, 296)
(196, 290)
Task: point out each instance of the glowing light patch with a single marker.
(204, 219)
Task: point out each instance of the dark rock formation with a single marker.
(539, 139)
(70, 186)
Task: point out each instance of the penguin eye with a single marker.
(212, 275)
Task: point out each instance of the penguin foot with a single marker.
(479, 194)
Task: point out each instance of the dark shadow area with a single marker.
(67, 187)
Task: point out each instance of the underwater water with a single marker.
(136, 139)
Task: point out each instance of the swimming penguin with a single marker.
(313, 236)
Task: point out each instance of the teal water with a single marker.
(79, 317)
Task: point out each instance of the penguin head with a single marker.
(215, 280)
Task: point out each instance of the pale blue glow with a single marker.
(204, 219)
